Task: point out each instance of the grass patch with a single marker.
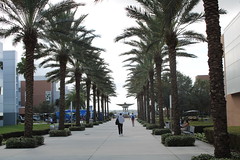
(20, 127)
(201, 123)
(234, 129)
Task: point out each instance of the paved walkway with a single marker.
(103, 143)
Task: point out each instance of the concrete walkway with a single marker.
(103, 143)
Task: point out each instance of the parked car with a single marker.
(20, 119)
(36, 118)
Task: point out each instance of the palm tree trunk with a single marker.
(62, 94)
(152, 97)
(144, 104)
(102, 105)
(88, 84)
(30, 42)
(107, 103)
(94, 102)
(174, 89)
(77, 81)
(158, 62)
(98, 101)
(105, 106)
(218, 103)
(140, 106)
(148, 107)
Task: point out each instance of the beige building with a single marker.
(231, 41)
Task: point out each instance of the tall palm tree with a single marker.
(177, 15)
(23, 20)
(82, 53)
(218, 102)
(63, 37)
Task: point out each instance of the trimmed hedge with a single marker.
(234, 136)
(234, 156)
(24, 142)
(180, 140)
(21, 133)
(95, 123)
(1, 139)
(161, 131)
(77, 128)
(152, 126)
(200, 129)
(89, 125)
(164, 136)
(59, 133)
(202, 157)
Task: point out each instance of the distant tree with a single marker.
(71, 97)
(200, 96)
(184, 91)
(44, 107)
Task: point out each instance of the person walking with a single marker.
(132, 119)
(120, 120)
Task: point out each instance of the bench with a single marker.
(189, 130)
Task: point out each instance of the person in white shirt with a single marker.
(120, 124)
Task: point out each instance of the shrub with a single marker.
(202, 157)
(89, 125)
(209, 134)
(234, 136)
(59, 133)
(77, 128)
(180, 140)
(21, 142)
(234, 156)
(201, 137)
(234, 141)
(161, 131)
(152, 126)
(200, 129)
(95, 123)
(164, 136)
(145, 124)
(1, 139)
(39, 140)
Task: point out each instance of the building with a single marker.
(11, 88)
(1, 84)
(42, 91)
(231, 38)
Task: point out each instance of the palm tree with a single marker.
(218, 102)
(79, 64)
(177, 16)
(23, 20)
(64, 36)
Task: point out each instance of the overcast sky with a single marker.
(108, 19)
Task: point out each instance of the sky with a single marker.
(108, 18)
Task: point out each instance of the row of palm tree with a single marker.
(162, 33)
(162, 28)
(52, 33)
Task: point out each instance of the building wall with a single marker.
(40, 88)
(10, 81)
(1, 86)
(233, 109)
(231, 43)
